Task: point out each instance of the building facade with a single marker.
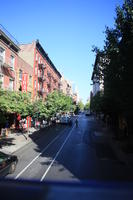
(97, 79)
(46, 77)
(24, 77)
(8, 60)
(66, 87)
(15, 73)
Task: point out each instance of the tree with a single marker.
(81, 105)
(56, 102)
(97, 103)
(117, 62)
(39, 109)
(15, 102)
(87, 106)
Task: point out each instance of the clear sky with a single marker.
(67, 29)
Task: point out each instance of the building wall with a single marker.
(45, 79)
(98, 82)
(66, 87)
(6, 71)
(27, 52)
(24, 68)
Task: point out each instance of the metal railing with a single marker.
(2, 28)
(7, 63)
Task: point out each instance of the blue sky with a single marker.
(67, 29)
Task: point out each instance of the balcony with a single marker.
(7, 63)
(49, 74)
(41, 66)
(40, 77)
(40, 91)
(44, 78)
(48, 85)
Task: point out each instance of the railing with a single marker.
(41, 66)
(9, 35)
(49, 74)
(40, 75)
(44, 78)
(7, 62)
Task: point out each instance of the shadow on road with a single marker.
(6, 142)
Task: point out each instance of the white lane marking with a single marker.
(57, 154)
(39, 155)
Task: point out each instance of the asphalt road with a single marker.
(70, 154)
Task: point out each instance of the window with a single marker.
(1, 80)
(20, 75)
(39, 60)
(30, 80)
(38, 86)
(36, 56)
(35, 84)
(11, 84)
(12, 61)
(35, 70)
(2, 55)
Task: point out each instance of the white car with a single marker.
(65, 120)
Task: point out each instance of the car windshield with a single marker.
(66, 82)
(3, 156)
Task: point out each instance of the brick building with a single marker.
(46, 77)
(8, 59)
(24, 77)
(15, 73)
(97, 79)
(66, 87)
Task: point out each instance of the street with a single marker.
(71, 154)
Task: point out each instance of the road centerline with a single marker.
(58, 152)
(33, 160)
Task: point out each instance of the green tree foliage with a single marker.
(117, 65)
(15, 102)
(87, 106)
(20, 103)
(39, 109)
(56, 102)
(97, 103)
(81, 105)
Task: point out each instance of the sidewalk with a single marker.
(105, 135)
(15, 141)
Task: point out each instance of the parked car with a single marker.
(88, 113)
(66, 120)
(7, 164)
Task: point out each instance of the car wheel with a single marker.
(12, 168)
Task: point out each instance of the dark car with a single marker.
(7, 164)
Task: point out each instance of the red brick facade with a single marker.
(26, 68)
(8, 62)
(46, 77)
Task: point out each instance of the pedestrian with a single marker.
(7, 127)
(76, 122)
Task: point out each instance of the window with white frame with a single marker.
(35, 84)
(11, 84)
(20, 74)
(30, 80)
(35, 70)
(12, 61)
(36, 56)
(2, 54)
(1, 80)
(38, 86)
(39, 60)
